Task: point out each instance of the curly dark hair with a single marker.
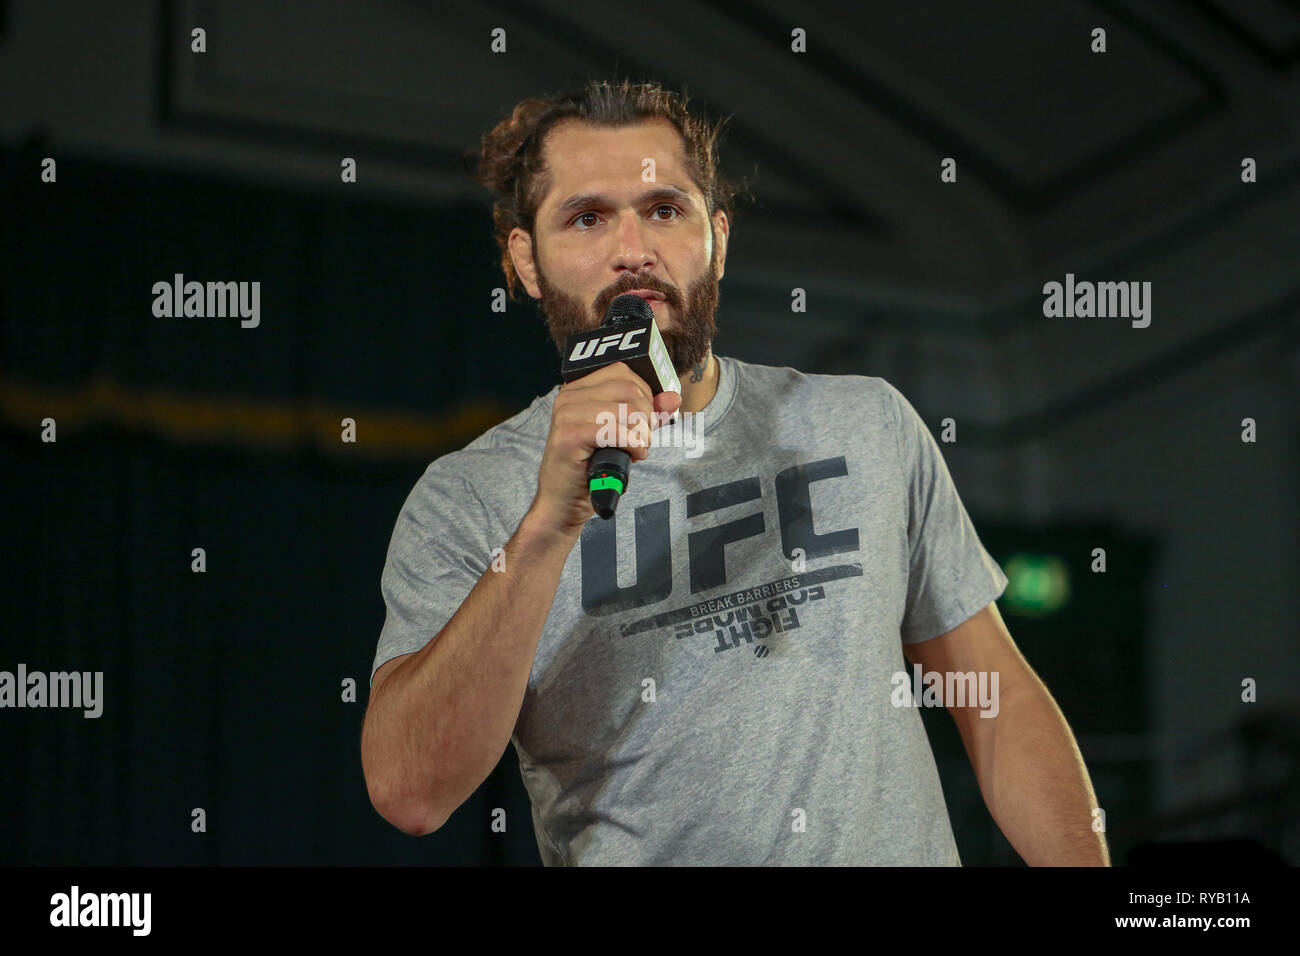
(508, 159)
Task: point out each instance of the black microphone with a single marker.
(627, 334)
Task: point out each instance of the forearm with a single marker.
(1035, 783)
(438, 725)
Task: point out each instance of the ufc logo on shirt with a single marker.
(654, 581)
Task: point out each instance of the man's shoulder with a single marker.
(521, 437)
(525, 429)
(784, 382)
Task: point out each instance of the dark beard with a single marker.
(691, 329)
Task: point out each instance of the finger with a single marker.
(667, 402)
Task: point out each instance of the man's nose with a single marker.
(634, 249)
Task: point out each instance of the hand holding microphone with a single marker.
(623, 362)
(629, 335)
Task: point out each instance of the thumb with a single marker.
(667, 402)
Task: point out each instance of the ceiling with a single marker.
(1123, 165)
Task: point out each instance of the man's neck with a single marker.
(699, 384)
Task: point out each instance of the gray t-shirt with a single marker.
(713, 681)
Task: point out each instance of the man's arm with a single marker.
(440, 718)
(1028, 766)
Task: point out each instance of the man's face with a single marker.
(625, 234)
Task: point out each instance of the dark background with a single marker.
(223, 689)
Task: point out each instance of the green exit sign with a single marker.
(1037, 584)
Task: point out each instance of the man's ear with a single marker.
(721, 233)
(520, 244)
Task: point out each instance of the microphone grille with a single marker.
(628, 306)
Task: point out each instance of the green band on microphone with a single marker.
(608, 481)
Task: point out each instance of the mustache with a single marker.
(607, 299)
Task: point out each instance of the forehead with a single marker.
(580, 156)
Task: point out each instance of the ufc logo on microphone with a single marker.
(602, 345)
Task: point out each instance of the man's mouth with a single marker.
(648, 295)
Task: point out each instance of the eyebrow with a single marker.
(604, 202)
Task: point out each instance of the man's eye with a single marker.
(581, 216)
